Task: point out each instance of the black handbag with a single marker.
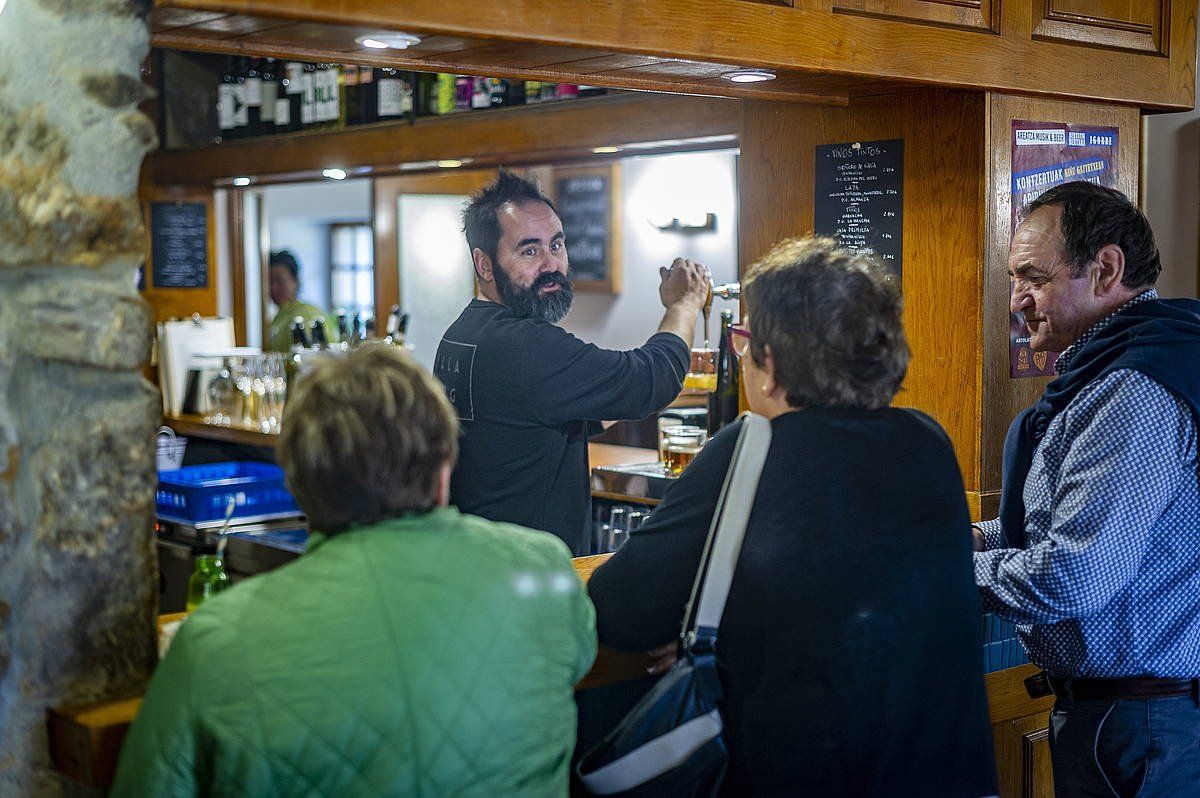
(672, 742)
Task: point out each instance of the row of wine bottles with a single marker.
(262, 96)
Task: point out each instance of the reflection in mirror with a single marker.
(325, 227)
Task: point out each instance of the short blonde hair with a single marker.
(364, 438)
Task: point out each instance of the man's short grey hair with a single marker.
(364, 438)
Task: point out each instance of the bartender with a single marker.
(527, 392)
(284, 286)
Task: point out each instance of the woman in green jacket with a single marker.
(410, 651)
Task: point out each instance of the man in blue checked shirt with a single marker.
(1096, 553)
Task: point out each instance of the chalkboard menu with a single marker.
(584, 198)
(860, 197)
(179, 244)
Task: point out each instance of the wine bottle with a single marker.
(293, 93)
(270, 95)
(481, 94)
(723, 402)
(241, 119)
(368, 95)
(351, 110)
(254, 98)
(395, 94)
(319, 338)
(308, 96)
(226, 101)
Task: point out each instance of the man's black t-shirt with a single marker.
(525, 391)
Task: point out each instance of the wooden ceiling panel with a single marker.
(162, 19)
(612, 61)
(234, 25)
(519, 55)
(692, 70)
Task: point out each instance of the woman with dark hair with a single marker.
(850, 645)
(284, 286)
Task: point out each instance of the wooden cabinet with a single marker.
(1139, 52)
(1139, 25)
(1020, 731)
(978, 15)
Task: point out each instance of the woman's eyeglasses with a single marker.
(739, 339)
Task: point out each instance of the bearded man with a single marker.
(528, 393)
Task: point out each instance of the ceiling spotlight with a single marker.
(605, 150)
(241, 181)
(749, 75)
(449, 163)
(388, 41)
(334, 174)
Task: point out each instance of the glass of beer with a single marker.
(680, 444)
(702, 373)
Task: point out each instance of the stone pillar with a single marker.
(78, 574)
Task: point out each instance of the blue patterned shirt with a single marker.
(1109, 582)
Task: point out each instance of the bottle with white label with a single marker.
(226, 102)
(292, 92)
(308, 97)
(270, 94)
(241, 117)
(394, 93)
(254, 98)
(481, 94)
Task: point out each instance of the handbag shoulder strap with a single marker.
(714, 574)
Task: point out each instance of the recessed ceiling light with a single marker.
(749, 75)
(605, 150)
(388, 41)
(241, 181)
(450, 163)
(334, 174)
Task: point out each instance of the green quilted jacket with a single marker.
(429, 655)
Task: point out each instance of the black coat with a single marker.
(850, 647)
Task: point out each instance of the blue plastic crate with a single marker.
(200, 493)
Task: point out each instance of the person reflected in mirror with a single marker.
(850, 648)
(528, 393)
(284, 286)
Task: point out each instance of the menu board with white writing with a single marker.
(179, 244)
(860, 197)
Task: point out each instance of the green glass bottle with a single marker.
(208, 578)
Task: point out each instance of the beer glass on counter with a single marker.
(679, 445)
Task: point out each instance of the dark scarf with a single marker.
(1158, 337)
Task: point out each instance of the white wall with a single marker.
(656, 186)
(298, 218)
(1171, 196)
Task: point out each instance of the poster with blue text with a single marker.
(1044, 155)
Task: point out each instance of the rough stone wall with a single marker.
(77, 420)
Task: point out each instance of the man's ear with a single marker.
(483, 265)
(1109, 271)
(769, 387)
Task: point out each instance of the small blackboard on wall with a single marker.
(179, 244)
(860, 197)
(587, 199)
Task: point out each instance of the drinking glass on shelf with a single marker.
(618, 528)
(275, 380)
(221, 390)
